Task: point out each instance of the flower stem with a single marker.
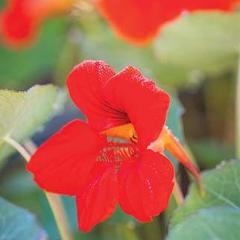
(53, 199)
(25, 154)
(238, 111)
(59, 215)
(177, 193)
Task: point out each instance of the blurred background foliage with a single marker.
(195, 58)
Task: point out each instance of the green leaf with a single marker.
(23, 113)
(16, 223)
(218, 223)
(199, 43)
(210, 153)
(222, 191)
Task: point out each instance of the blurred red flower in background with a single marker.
(20, 19)
(139, 21)
(101, 167)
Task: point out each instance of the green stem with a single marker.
(238, 112)
(53, 199)
(25, 154)
(177, 193)
(59, 215)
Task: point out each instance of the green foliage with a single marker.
(214, 223)
(1, 3)
(22, 67)
(18, 223)
(210, 216)
(23, 113)
(210, 153)
(199, 43)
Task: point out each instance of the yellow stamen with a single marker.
(125, 131)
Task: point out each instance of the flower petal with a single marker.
(85, 83)
(145, 186)
(145, 104)
(17, 26)
(98, 200)
(63, 162)
(141, 19)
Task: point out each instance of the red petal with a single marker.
(63, 162)
(98, 200)
(145, 104)
(145, 186)
(141, 18)
(85, 84)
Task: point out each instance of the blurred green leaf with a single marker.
(221, 197)
(22, 67)
(16, 223)
(23, 113)
(1, 3)
(213, 223)
(19, 188)
(197, 44)
(210, 153)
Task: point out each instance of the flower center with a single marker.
(118, 152)
(121, 145)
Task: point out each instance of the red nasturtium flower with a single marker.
(81, 160)
(139, 21)
(20, 19)
(106, 161)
